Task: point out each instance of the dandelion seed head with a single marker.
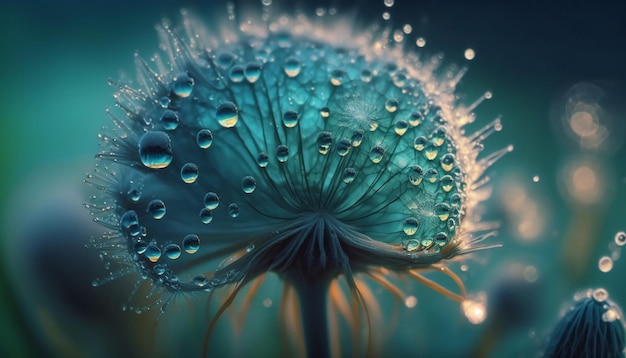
(281, 147)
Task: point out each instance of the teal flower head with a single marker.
(283, 148)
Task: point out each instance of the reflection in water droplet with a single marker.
(204, 138)
(376, 154)
(282, 153)
(172, 251)
(129, 222)
(206, 216)
(191, 243)
(227, 114)
(348, 175)
(248, 184)
(189, 173)
(253, 71)
(292, 66)
(153, 253)
(324, 141)
(169, 120)
(290, 119)
(415, 174)
(410, 226)
(211, 200)
(155, 150)
(182, 85)
(262, 160)
(233, 210)
(156, 208)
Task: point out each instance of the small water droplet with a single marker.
(325, 112)
(248, 184)
(438, 136)
(391, 105)
(366, 75)
(343, 147)
(200, 280)
(211, 200)
(182, 85)
(605, 264)
(262, 160)
(431, 175)
(415, 174)
(253, 71)
(400, 127)
(290, 119)
(348, 175)
(233, 210)
(155, 150)
(447, 161)
(191, 243)
(412, 245)
(227, 114)
(415, 119)
(204, 138)
(282, 153)
(337, 77)
(164, 102)
(189, 173)
(250, 247)
(236, 74)
(206, 216)
(129, 222)
(159, 269)
(153, 253)
(156, 208)
(620, 238)
(410, 226)
(357, 138)
(420, 143)
(172, 251)
(536, 179)
(442, 210)
(376, 154)
(225, 60)
(169, 120)
(600, 295)
(447, 183)
(441, 239)
(431, 151)
(140, 246)
(292, 66)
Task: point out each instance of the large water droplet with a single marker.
(348, 175)
(410, 226)
(155, 150)
(211, 200)
(204, 138)
(227, 114)
(248, 184)
(156, 208)
(189, 173)
(182, 85)
(253, 71)
(191, 243)
(376, 154)
(172, 251)
(292, 66)
(282, 153)
(324, 140)
(290, 119)
(129, 222)
(233, 210)
(169, 120)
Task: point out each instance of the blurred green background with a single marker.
(544, 63)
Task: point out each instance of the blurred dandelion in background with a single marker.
(298, 147)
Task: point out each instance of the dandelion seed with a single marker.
(280, 151)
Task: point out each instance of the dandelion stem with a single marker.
(313, 294)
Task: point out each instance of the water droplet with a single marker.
(412, 245)
(420, 143)
(169, 120)
(420, 42)
(227, 114)
(348, 175)
(400, 127)
(475, 311)
(225, 59)
(129, 222)
(206, 216)
(442, 210)
(233, 210)
(189, 173)
(431, 151)
(211, 200)
(153, 253)
(292, 66)
(156, 208)
(441, 239)
(248, 184)
(376, 154)
(536, 179)
(200, 280)
(438, 136)
(431, 175)
(182, 85)
(262, 160)
(357, 138)
(172, 251)
(164, 101)
(253, 71)
(415, 174)
(391, 105)
(324, 140)
(447, 183)
(282, 153)
(236, 74)
(191, 243)
(610, 315)
(141, 246)
(343, 147)
(447, 161)
(373, 126)
(155, 150)
(600, 295)
(620, 238)
(455, 199)
(325, 112)
(290, 119)
(605, 264)
(427, 242)
(204, 138)
(415, 119)
(410, 301)
(410, 226)
(250, 247)
(337, 77)
(159, 269)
